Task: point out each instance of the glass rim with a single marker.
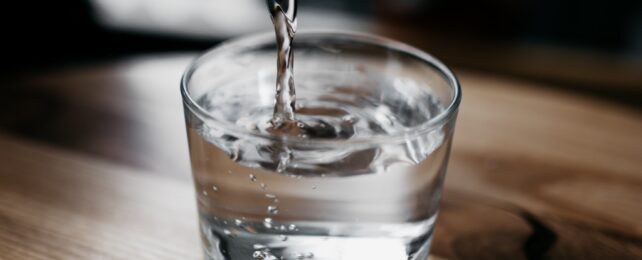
(393, 45)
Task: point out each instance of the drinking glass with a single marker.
(363, 180)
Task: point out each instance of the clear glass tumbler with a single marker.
(364, 179)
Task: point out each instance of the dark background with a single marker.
(44, 35)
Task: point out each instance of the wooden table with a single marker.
(94, 165)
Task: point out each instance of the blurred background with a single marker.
(546, 162)
(590, 46)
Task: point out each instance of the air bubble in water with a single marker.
(236, 154)
(291, 227)
(263, 186)
(272, 197)
(252, 177)
(214, 188)
(227, 232)
(263, 254)
(284, 160)
(272, 210)
(267, 222)
(204, 193)
(238, 222)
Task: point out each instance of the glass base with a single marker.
(331, 241)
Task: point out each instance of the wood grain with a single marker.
(94, 165)
(58, 205)
(617, 75)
